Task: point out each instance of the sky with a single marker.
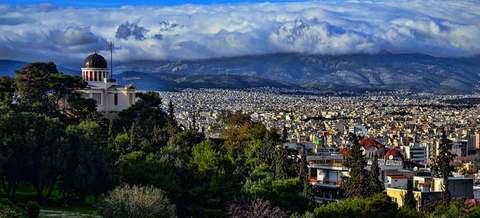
(68, 31)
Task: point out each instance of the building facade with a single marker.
(111, 98)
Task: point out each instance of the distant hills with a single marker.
(355, 72)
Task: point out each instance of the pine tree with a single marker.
(375, 184)
(444, 158)
(409, 200)
(357, 184)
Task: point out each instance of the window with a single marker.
(98, 97)
(115, 98)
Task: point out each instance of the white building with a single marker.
(111, 98)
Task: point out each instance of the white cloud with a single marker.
(68, 34)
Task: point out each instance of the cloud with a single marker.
(126, 30)
(68, 34)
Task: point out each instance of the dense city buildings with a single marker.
(403, 130)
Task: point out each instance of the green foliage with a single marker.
(305, 215)
(357, 184)
(453, 210)
(379, 206)
(138, 168)
(409, 199)
(40, 87)
(186, 140)
(6, 202)
(350, 208)
(134, 201)
(375, 184)
(406, 212)
(286, 194)
(33, 209)
(445, 157)
(89, 171)
(474, 212)
(7, 90)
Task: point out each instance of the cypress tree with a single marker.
(375, 184)
(444, 158)
(284, 134)
(409, 200)
(171, 115)
(281, 167)
(357, 184)
(307, 187)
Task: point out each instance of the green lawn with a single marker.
(26, 192)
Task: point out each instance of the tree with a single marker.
(146, 113)
(307, 186)
(136, 202)
(88, 171)
(213, 180)
(356, 185)
(7, 90)
(409, 200)
(445, 157)
(375, 184)
(139, 168)
(171, 120)
(284, 134)
(40, 87)
(35, 146)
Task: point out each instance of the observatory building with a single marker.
(111, 98)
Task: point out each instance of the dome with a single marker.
(95, 61)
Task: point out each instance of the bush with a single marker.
(21, 205)
(350, 208)
(474, 212)
(9, 213)
(134, 201)
(6, 202)
(33, 209)
(380, 206)
(406, 212)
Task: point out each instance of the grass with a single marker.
(26, 192)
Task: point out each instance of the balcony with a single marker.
(325, 182)
(387, 163)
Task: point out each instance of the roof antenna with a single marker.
(111, 60)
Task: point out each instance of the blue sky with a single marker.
(116, 3)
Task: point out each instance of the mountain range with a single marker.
(354, 72)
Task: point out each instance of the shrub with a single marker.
(9, 213)
(21, 205)
(406, 212)
(134, 201)
(33, 209)
(474, 212)
(6, 202)
(380, 206)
